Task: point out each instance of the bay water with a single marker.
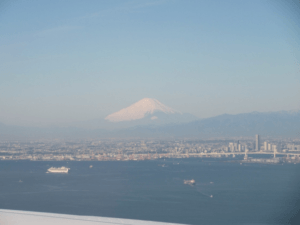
(226, 192)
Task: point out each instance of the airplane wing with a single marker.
(16, 217)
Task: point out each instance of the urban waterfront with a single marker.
(226, 192)
(287, 149)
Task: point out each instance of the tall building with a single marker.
(265, 146)
(269, 147)
(257, 142)
(231, 146)
(235, 146)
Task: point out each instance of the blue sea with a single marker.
(226, 192)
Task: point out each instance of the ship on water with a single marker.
(58, 170)
(189, 182)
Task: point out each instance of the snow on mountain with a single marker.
(140, 109)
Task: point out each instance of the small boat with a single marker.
(91, 166)
(189, 182)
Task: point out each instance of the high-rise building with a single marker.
(265, 146)
(257, 142)
(269, 147)
(231, 146)
(235, 146)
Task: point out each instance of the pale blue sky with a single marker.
(64, 61)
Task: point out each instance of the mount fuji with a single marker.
(140, 110)
(148, 111)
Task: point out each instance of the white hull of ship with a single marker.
(58, 170)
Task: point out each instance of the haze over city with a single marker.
(150, 112)
(69, 61)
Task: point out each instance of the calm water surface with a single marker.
(225, 193)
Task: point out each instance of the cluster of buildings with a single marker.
(273, 145)
(147, 149)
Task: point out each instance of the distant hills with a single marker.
(150, 118)
(275, 124)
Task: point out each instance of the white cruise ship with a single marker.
(58, 170)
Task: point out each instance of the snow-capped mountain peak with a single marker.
(139, 110)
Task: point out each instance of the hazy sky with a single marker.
(63, 61)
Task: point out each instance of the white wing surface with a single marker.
(16, 217)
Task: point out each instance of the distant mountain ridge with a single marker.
(276, 124)
(281, 123)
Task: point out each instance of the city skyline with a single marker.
(282, 150)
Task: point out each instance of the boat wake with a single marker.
(198, 189)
